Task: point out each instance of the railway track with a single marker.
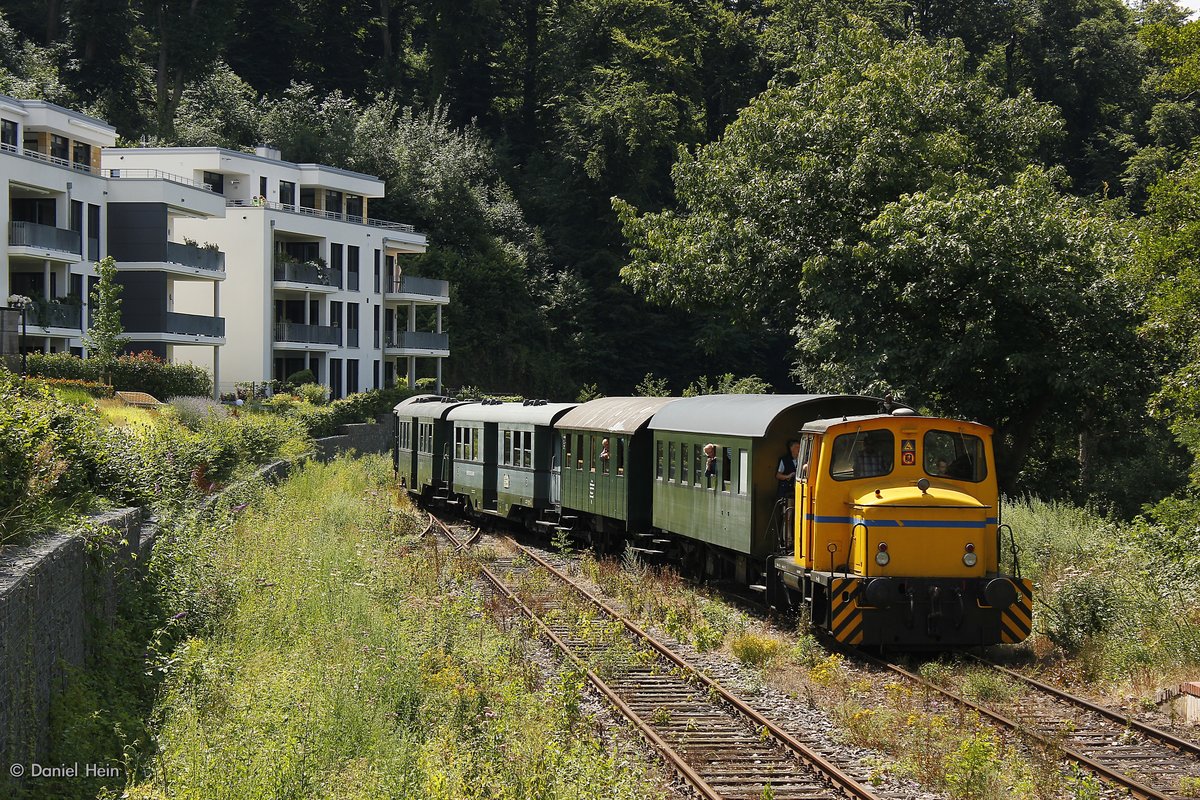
(720, 745)
(1147, 762)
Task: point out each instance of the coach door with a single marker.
(805, 523)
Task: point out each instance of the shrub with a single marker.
(144, 372)
(314, 393)
(192, 412)
(301, 377)
(755, 650)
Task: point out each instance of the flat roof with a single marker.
(26, 105)
(249, 157)
(528, 413)
(614, 414)
(748, 415)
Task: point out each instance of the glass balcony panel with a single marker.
(198, 257)
(309, 334)
(31, 234)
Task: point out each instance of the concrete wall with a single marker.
(53, 596)
(365, 437)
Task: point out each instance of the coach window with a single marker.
(476, 438)
(743, 470)
(566, 450)
(527, 450)
(620, 457)
(671, 462)
(507, 458)
(726, 469)
(684, 448)
(605, 456)
(405, 435)
(658, 461)
(579, 451)
(458, 440)
(698, 466)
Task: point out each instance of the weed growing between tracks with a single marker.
(334, 654)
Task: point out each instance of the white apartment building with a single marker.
(248, 265)
(61, 212)
(312, 281)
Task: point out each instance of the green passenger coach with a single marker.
(727, 496)
(504, 456)
(609, 486)
(423, 443)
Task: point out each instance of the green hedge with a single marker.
(94, 388)
(325, 420)
(144, 372)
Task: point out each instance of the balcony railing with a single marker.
(314, 212)
(411, 284)
(174, 322)
(417, 340)
(198, 257)
(306, 272)
(56, 315)
(32, 234)
(49, 159)
(310, 334)
(155, 174)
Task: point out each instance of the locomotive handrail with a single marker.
(866, 544)
(900, 505)
(1012, 541)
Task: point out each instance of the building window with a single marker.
(352, 268)
(335, 318)
(60, 147)
(333, 201)
(376, 315)
(375, 375)
(262, 186)
(308, 198)
(354, 207)
(351, 376)
(352, 326)
(9, 133)
(93, 231)
(287, 193)
(82, 156)
(377, 274)
(389, 375)
(335, 378)
(335, 262)
(216, 181)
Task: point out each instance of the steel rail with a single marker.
(1138, 790)
(664, 749)
(1174, 742)
(840, 779)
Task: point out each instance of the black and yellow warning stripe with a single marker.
(845, 616)
(1016, 621)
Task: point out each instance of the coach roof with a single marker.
(752, 414)
(527, 413)
(614, 414)
(426, 406)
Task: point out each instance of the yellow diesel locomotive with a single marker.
(898, 540)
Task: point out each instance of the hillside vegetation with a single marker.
(985, 208)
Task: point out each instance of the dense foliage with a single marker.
(143, 372)
(982, 206)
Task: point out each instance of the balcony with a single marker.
(173, 323)
(424, 341)
(332, 215)
(45, 237)
(189, 255)
(56, 315)
(307, 272)
(411, 287)
(307, 334)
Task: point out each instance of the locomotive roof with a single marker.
(614, 414)
(532, 414)
(750, 415)
(426, 406)
(823, 425)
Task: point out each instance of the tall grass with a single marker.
(1124, 605)
(331, 654)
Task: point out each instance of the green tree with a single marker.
(105, 340)
(219, 110)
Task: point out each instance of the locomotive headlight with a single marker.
(970, 558)
(881, 556)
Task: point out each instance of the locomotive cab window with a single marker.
(862, 454)
(802, 460)
(958, 456)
